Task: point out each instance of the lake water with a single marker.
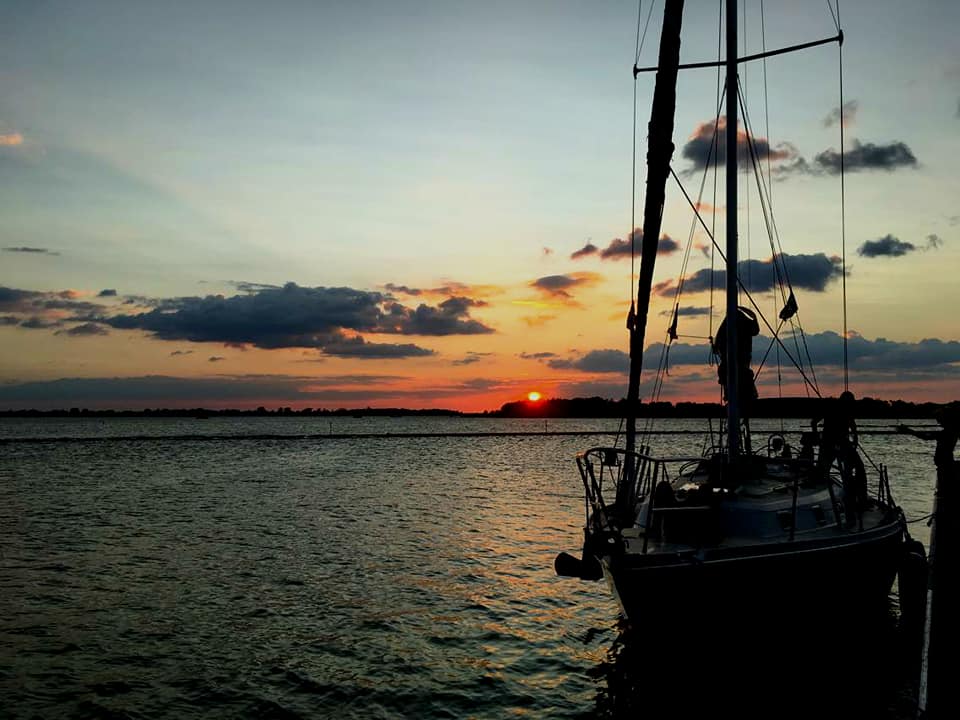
(217, 568)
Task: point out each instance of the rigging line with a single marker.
(773, 342)
(714, 147)
(743, 287)
(742, 99)
(718, 103)
(633, 203)
(782, 259)
(836, 18)
(766, 99)
(766, 113)
(633, 166)
(646, 25)
(636, 54)
(843, 224)
(755, 163)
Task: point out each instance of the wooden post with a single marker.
(940, 636)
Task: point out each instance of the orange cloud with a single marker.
(447, 288)
(11, 140)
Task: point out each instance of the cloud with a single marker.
(8, 320)
(107, 292)
(826, 350)
(547, 252)
(595, 361)
(588, 249)
(887, 246)
(560, 286)
(176, 353)
(700, 149)
(846, 115)
(867, 156)
(251, 287)
(934, 242)
(43, 304)
(471, 357)
(158, 390)
(233, 391)
(537, 320)
(447, 289)
(86, 329)
(619, 248)
(403, 289)
(38, 323)
(807, 272)
(11, 139)
(687, 311)
(451, 317)
(30, 250)
(295, 316)
(358, 348)
(536, 355)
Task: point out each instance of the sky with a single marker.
(428, 204)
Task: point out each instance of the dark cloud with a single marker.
(867, 156)
(358, 348)
(807, 272)
(43, 305)
(8, 320)
(451, 317)
(537, 355)
(251, 287)
(295, 316)
(403, 289)
(698, 148)
(107, 292)
(621, 249)
(687, 311)
(560, 286)
(471, 357)
(887, 246)
(934, 242)
(588, 249)
(86, 329)
(846, 115)
(175, 353)
(158, 390)
(826, 349)
(448, 289)
(39, 323)
(32, 250)
(215, 358)
(595, 361)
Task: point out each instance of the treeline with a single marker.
(592, 407)
(801, 407)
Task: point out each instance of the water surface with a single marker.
(212, 568)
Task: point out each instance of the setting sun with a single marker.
(533, 396)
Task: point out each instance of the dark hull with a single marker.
(853, 570)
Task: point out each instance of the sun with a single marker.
(533, 396)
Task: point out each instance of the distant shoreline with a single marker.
(544, 409)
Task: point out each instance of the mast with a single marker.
(659, 152)
(733, 381)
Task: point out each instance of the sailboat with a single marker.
(737, 527)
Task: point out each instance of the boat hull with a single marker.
(852, 570)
